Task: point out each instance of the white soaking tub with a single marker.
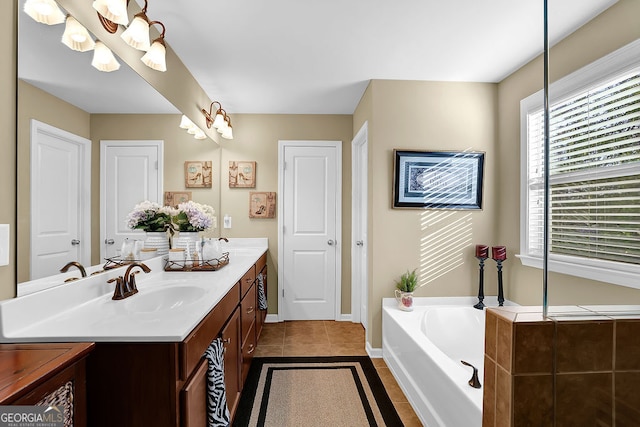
(424, 349)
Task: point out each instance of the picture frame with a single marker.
(242, 174)
(438, 179)
(174, 198)
(198, 174)
(262, 204)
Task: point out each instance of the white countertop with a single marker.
(83, 310)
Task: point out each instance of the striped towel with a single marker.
(217, 410)
(262, 297)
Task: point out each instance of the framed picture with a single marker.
(242, 174)
(174, 198)
(262, 204)
(197, 174)
(438, 179)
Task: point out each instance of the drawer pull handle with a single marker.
(251, 349)
(250, 310)
(248, 280)
(226, 341)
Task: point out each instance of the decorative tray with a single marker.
(116, 261)
(197, 265)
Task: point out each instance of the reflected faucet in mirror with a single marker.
(64, 269)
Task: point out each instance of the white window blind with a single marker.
(594, 172)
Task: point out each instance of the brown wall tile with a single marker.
(627, 399)
(503, 398)
(490, 338)
(489, 393)
(584, 346)
(584, 399)
(627, 345)
(504, 344)
(533, 348)
(533, 400)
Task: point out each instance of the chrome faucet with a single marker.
(83, 272)
(126, 286)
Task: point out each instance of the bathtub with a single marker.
(423, 350)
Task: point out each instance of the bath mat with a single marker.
(314, 391)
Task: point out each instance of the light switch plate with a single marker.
(4, 244)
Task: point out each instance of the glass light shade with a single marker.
(113, 10)
(228, 133)
(137, 34)
(44, 11)
(222, 127)
(103, 58)
(200, 134)
(76, 37)
(155, 57)
(218, 121)
(186, 123)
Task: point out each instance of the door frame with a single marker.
(359, 219)
(84, 164)
(106, 143)
(338, 275)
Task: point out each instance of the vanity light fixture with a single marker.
(103, 58)
(156, 56)
(76, 37)
(44, 11)
(212, 119)
(112, 10)
(199, 134)
(227, 133)
(137, 33)
(185, 123)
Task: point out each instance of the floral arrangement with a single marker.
(192, 216)
(150, 216)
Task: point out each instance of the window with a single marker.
(594, 172)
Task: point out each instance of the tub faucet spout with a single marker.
(474, 381)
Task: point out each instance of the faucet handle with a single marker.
(119, 292)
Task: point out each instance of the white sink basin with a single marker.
(162, 299)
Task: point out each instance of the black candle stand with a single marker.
(500, 288)
(480, 304)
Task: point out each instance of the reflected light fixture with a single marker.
(156, 56)
(112, 10)
(228, 130)
(185, 123)
(44, 11)
(199, 134)
(76, 37)
(103, 58)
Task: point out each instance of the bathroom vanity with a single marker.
(147, 367)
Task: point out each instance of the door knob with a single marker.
(75, 242)
(331, 242)
(109, 241)
(359, 243)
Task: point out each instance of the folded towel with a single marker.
(217, 410)
(262, 297)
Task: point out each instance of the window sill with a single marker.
(604, 271)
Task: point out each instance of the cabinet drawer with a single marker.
(248, 348)
(262, 261)
(194, 346)
(248, 312)
(247, 280)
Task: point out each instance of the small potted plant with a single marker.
(404, 290)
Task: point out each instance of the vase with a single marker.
(186, 240)
(157, 240)
(405, 300)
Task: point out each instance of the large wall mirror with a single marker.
(59, 90)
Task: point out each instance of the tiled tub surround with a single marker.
(582, 361)
(423, 350)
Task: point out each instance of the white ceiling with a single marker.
(293, 56)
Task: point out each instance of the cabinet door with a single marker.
(231, 337)
(248, 348)
(248, 314)
(194, 398)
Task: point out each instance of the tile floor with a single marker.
(330, 338)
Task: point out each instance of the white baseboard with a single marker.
(345, 318)
(271, 318)
(374, 353)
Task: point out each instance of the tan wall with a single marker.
(256, 138)
(8, 31)
(611, 30)
(426, 116)
(34, 103)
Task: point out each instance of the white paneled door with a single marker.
(310, 230)
(60, 199)
(130, 172)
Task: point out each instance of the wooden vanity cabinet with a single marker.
(165, 384)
